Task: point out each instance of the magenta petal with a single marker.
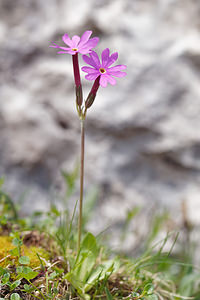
(117, 74)
(66, 39)
(89, 70)
(117, 68)
(105, 57)
(64, 48)
(92, 76)
(84, 50)
(85, 37)
(110, 79)
(89, 61)
(75, 40)
(54, 45)
(72, 52)
(103, 81)
(91, 43)
(95, 59)
(112, 59)
(59, 52)
(59, 47)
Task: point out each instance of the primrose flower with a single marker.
(77, 44)
(103, 68)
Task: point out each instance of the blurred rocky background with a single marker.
(143, 138)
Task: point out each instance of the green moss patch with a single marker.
(6, 257)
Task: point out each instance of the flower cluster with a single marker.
(98, 71)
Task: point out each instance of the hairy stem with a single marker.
(81, 183)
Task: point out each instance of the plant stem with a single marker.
(81, 182)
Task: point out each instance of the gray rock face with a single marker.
(143, 139)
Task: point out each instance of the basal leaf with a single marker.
(15, 296)
(24, 260)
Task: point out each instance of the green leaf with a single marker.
(24, 260)
(24, 269)
(19, 269)
(84, 263)
(55, 211)
(27, 287)
(70, 180)
(108, 294)
(15, 296)
(2, 271)
(14, 252)
(30, 275)
(151, 297)
(53, 275)
(87, 257)
(41, 263)
(187, 284)
(135, 294)
(26, 272)
(83, 275)
(149, 288)
(89, 243)
(17, 242)
(3, 220)
(5, 278)
(15, 284)
(102, 272)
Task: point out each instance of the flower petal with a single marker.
(75, 41)
(95, 59)
(91, 43)
(66, 39)
(110, 79)
(105, 57)
(84, 50)
(59, 47)
(89, 61)
(54, 45)
(85, 37)
(69, 51)
(117, 68)
(117, 73)
(112, 59)
(59, 52)
(92, 76)
(72, 52)
(103, 81)
(89, 70)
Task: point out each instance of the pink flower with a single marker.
(77, 44)
(103, 69)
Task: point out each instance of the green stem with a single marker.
(81, 182)
(35, 287)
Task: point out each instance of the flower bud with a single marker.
(92, 94)
(79, 95)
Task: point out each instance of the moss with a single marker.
(6, 246)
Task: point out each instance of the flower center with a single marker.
(74, 49)
(102, 70)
